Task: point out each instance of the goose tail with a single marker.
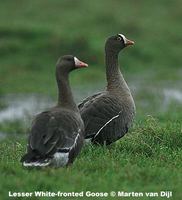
(59, 159)
(29, 160)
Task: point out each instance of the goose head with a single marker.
(117, 42)
(67, 63)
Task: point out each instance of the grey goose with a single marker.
(109, 114)
(56, 136)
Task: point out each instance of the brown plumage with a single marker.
(108, 115)
(56, 135)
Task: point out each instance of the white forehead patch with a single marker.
(76, 60)
(124, 38)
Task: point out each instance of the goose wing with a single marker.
(52, 133)
(88, 100)
(104, 118)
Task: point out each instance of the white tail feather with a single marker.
(35, 164)
(60, 159)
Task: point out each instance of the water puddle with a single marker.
(20, 106)
(24, 107)
(173, 94)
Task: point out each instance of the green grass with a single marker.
(147, 159)
(33, 34)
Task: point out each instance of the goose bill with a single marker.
(79, 63)
(129, 42)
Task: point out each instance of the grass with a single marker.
(147, 159)
(31, 41)
(33, 34)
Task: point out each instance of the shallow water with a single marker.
(22, 105)
(148, 100)
(157, 99)
(173, 94)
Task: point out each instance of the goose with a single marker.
(56, 135)
(109, 114)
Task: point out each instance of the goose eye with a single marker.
(119, 38)
(69, 59)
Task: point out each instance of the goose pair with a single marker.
(57, 135)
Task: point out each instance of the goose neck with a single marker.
(65, 97)
(115, 79)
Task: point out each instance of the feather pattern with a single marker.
(107, 118)
(56, 141)
(56, 135)
(109, 114)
